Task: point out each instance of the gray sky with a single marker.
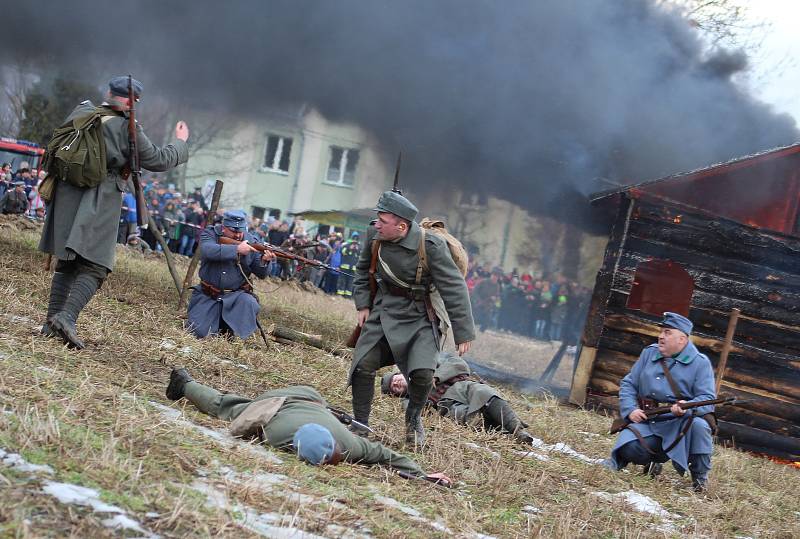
(777, 70)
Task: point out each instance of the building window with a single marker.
(276, 157)
(258, 212)
(342, 166)
(660, 286)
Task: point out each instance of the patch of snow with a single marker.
(532, 455)
(19, 319)
(7, 412)
(342, 532)
(46, 369)
(76, 495)
(151, 515)
(412, 513)
(240, 365)
(167, 344)
(122, 522)
(644, 504)
(186, 351)
(563, 448)
(531, 510)
(265, 524)
(589, 434)
(70, 494)
(15, 461)
(476, 447)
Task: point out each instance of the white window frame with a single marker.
(342, 167)
(276, 160)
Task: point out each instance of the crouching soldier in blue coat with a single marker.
(666, 373)
(223, 302)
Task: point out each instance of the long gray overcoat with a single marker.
(403, 321)
(84, 222)
(218, 267)
(694, 376)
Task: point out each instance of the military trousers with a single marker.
(225, 406)
(634, 452)
(420, 381)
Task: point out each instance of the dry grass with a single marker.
(88, 415)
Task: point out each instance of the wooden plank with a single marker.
(583, 373)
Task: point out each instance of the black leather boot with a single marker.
(59, 292)
(178, 379)
(83, 289)
(363, 383)
(415, 432)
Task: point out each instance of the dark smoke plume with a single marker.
(527, 100)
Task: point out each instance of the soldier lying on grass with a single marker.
(458, 395)
(296, 419)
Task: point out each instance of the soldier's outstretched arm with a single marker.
(151, 157)
(362, 451)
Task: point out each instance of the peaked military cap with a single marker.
(235, 219)
(397, 204)
(119, 86)
(676, 321)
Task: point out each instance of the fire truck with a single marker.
(14, 152)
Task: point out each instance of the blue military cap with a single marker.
(235, 219)
(119, 86)
(314, 444)
(397, 204)
(676, 321)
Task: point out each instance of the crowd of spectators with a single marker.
(547, 308)
(19, 193)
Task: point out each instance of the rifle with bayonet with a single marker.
(277, 251)
(346, 419)
(142, 216)
(621, 423)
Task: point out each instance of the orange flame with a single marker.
(677, 219)
(792, 463)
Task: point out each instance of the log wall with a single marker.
(732, 265)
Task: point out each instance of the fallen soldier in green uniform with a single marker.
(295, 419)
(457, 394)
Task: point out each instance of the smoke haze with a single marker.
(526, 100)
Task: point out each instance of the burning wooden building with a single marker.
(701, 244)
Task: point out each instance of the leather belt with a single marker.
(408, 293)
(213, 292)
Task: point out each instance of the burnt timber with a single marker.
(732, 229)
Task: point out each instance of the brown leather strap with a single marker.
(671, 380)
(641, 439)
(373, 267)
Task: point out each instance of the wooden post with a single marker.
(167, 252)
(187, 281)
(726, 347)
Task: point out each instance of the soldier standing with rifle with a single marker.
(396, 322)
(81, 224)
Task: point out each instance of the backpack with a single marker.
(76, 153)
(457, 250)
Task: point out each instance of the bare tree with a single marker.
(15, 82)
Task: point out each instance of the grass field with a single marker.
(90, 447)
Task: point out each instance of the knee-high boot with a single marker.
(419, 387)
(83, 289)
(59, 292)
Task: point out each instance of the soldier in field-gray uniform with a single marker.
(395, 327)
(81, 224)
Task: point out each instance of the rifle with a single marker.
(621, 423)
(277, 251)
(346, 419)
(142, 217)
